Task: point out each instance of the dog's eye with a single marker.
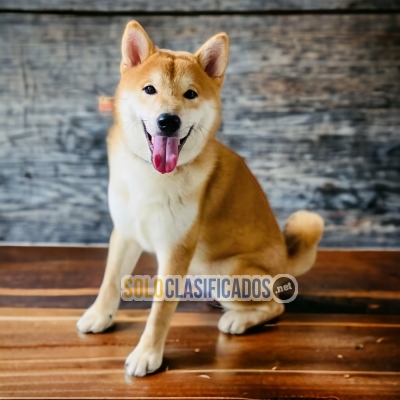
(190, 94)
(150, 90)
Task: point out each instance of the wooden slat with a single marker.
(303, 304)
(43, 343)
(352, 282)
(200, 5)
(83, 270)
(270, 386)
(311, 102)
(340, 282)
(353, 271)
(41, 254)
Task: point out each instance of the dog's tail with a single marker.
(302, 233)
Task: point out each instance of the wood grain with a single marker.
(45, 344)
(310, 356)
(199, 5)
(352, 282)
(311, 102)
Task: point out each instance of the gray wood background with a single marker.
(311, 100)
(198, 5)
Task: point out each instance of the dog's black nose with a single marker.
(168, 123)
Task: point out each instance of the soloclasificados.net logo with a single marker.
(282, 288)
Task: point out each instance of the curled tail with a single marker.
(302, 233)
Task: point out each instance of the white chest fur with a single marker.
(156, 210)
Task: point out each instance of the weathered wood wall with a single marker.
(177, 6)
(312, 100)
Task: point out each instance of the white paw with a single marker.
(238, 321)
(94, 321)
(143, 360)
(233, 322)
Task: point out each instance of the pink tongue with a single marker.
(165, 153)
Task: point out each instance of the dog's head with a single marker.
(167, 102)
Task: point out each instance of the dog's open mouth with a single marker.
(165, 150)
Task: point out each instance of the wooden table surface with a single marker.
(340, 339)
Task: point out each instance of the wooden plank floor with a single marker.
(340, 339)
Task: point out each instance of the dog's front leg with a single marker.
(148, 354)
(123, 255)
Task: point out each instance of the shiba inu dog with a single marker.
(177, 192)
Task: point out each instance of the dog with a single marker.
(176, 191)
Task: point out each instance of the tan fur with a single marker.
(208, 216)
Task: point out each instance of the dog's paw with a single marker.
(238, 321)
(94, 321)
(233, 322)
(143, 360)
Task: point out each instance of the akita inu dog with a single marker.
(177, 192)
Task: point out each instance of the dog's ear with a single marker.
(213, 56)
(136, 46)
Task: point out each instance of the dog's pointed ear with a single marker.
(136, 46)
(213, 55)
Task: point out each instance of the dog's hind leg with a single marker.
(122, 257)
(240, 316)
